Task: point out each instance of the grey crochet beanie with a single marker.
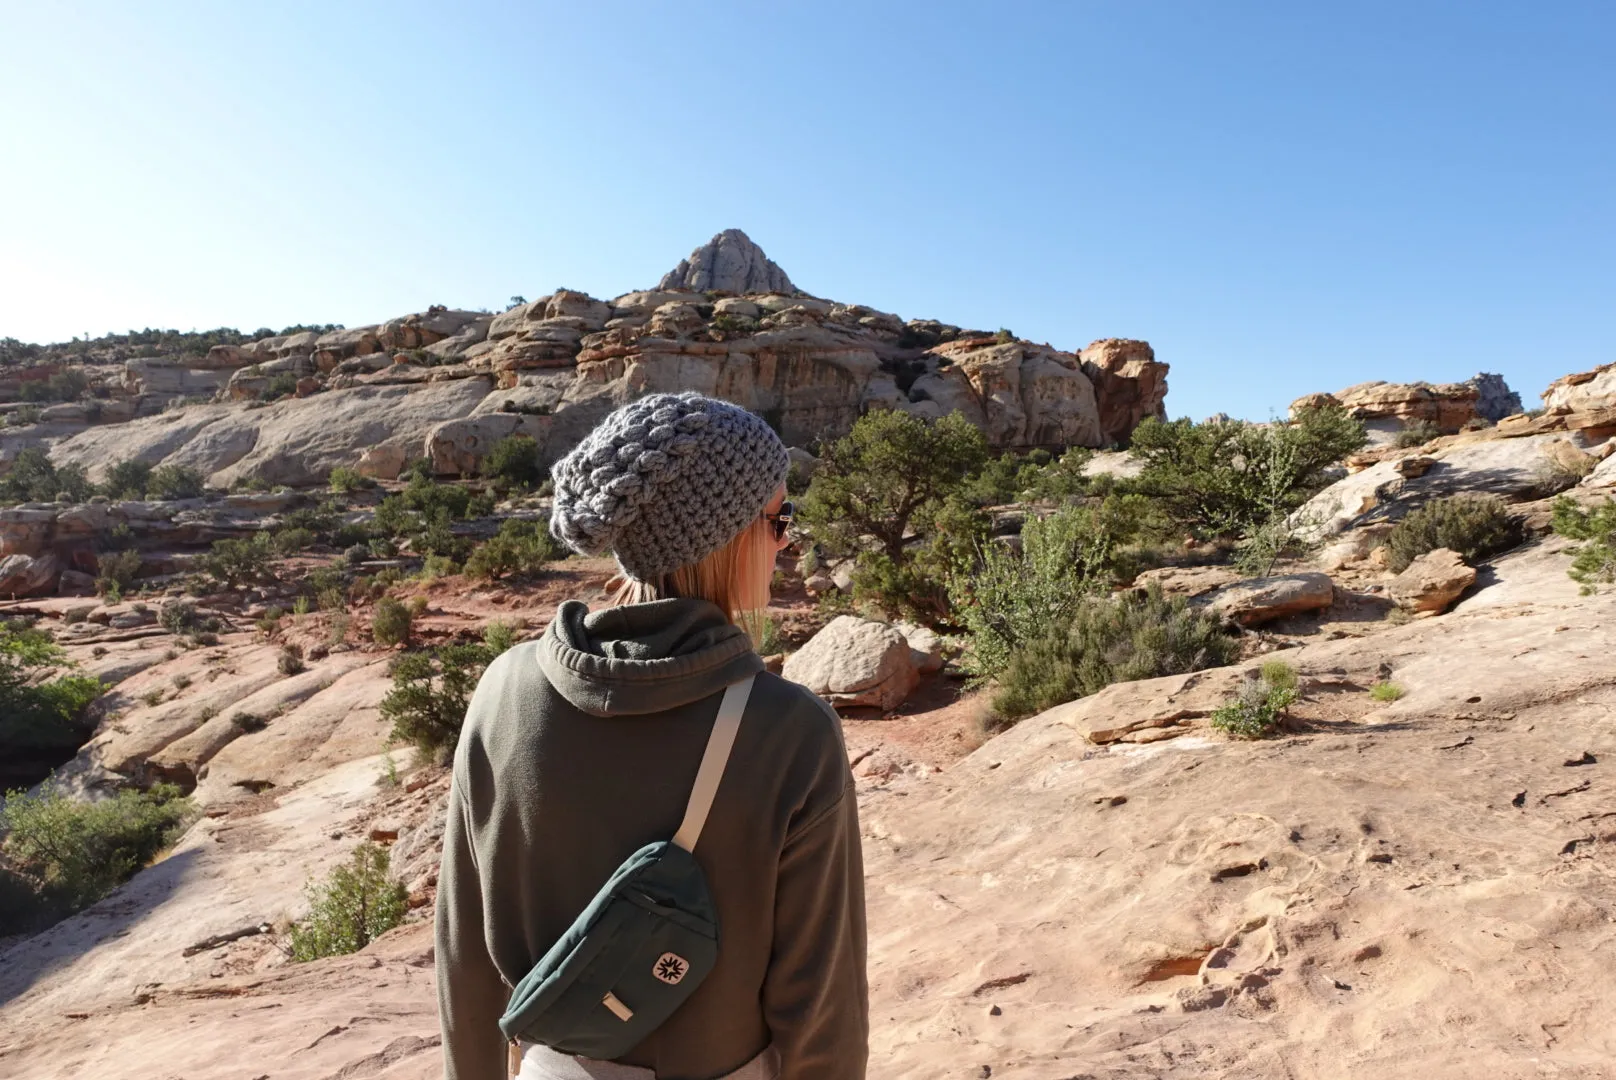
(665, 481)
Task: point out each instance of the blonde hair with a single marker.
(736, 577)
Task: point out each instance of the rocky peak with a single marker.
(729, 262)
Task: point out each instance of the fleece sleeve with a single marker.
(471, 995)
(815, 996)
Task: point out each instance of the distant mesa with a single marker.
(730, 262)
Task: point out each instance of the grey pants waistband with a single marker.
(543, 1063)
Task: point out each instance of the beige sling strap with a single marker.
(713, 760)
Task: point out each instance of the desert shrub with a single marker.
(1385, 692)
(174, 482)
(1594, 561)
(1260, 706)
(240, 562)
(520, 548)
(393, 518)
(917, 587)
(499, 636)
(357, 903)
(1011, 598)
(1418, 434)
(344, 480)
(427, 703)
(23, 415)
(321, 520)
(33, 478)
(418, 605)
(513, 462)
(354, 554)
(886, 478)
(291, 541)
(290, 660)
(115, 572)
(390, 622)
(181, 617)
(1226, 477)
(269, 623)
(40, 715)
(74, 853)
(1475, 526)
(1004, 336)
(127, 479)
(281, 384)
(892, 477)
(436, 566)
(1137, 635)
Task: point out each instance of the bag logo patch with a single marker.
(670, 968)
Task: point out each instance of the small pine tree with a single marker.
(354, 906)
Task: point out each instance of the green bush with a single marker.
(1594, 561)
(354, 906)
(40, 716)
(1011, 598)
(127, 479)
(174, 482)
(1225, 478)
(513, 462)
(281, 384)
(1385, 692)
(1134, 636)
(241, 562)
(892, 478)
(390, 622)
(33, 478)
(1418, 434)
(1260, 706)
(427, 704)
(344, 480)
(291, 541)
(1475, 526)
(116, 571)
(74, 853)
(520, 548)
(887, 478)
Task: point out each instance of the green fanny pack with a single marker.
(644, 943)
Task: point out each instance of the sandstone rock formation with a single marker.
(1587, 390)
(1449, 406)
(856, 663)
(550, 368)
(1261, 600)
(1432, 582)
(730, 263)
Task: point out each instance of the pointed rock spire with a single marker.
(729, 262)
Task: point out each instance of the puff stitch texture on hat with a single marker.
(665, 481)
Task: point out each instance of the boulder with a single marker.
(1129, 384)
(925, 646)
(1432, 582)
(856, 662)
(1261, 600)
(382, 462)
(29, 575)
(729, 262)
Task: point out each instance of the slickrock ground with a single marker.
(1425, 887)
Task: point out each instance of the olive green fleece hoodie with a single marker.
(580, 748)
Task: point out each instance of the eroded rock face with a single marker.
(856, 662)
(1129, 385)
(1586, 390)
(1494, 399)
(729, 262)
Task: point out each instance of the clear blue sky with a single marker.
(1280, 197)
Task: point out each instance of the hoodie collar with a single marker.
(643, 658)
